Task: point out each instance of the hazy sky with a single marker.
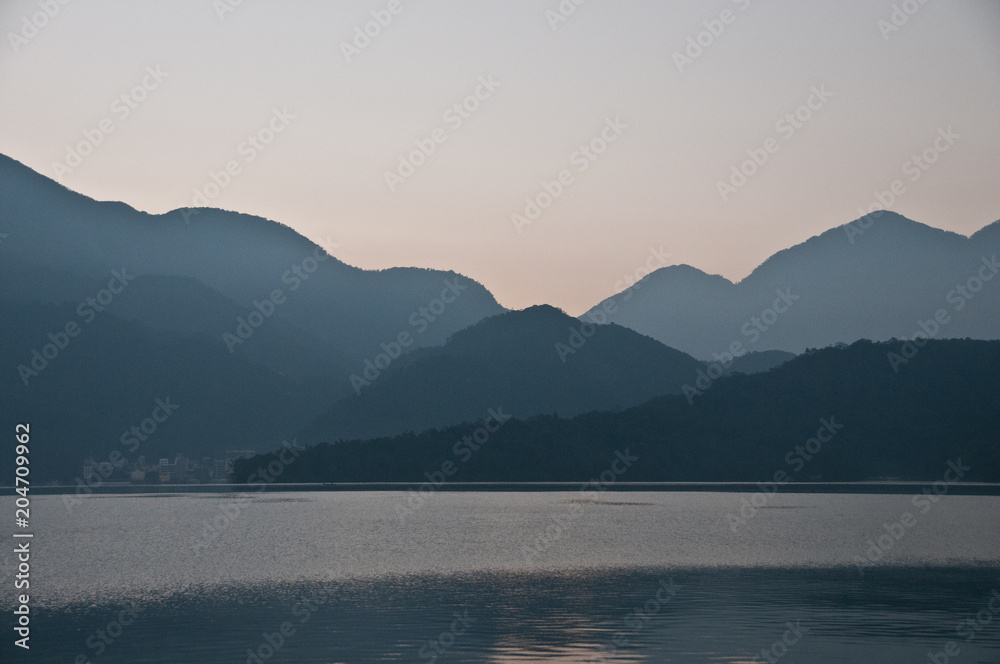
(679, 127)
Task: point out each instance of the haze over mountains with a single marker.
(112, 376)
(260, 334)
(63, 245)
(874, 278)
(251, 327)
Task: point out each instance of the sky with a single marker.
(546, 149)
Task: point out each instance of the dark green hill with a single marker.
(942, 405)
(531, 362)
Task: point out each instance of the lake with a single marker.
(637, 576)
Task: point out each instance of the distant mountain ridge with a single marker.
(840, 414)
(511, 360)
(264, 334)
(60, 242)
(874, 278)
(251, 327)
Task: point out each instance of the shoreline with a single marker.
(888, 487)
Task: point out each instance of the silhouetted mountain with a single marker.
(259, 333)
(88, 390)
(875, 278)
(529, 362)
(60, 242)
(838, 414)
(188, 307)
(253, 327)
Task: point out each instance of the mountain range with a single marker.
(61, 246)
(876, 277)
(261, 334)
(531, 362)
(839, 414)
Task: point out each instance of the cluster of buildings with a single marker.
(179, 470)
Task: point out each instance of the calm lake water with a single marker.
(511, 577)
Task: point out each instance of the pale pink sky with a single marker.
(656, 184)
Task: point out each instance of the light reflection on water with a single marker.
(724, 615)
(383, 591)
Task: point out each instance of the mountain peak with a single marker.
(987, 231)
(685, 271)
(868, 278)
(541, 310)
(893, 222)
